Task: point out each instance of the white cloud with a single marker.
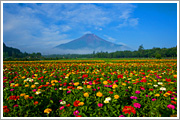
(47, 25)
(110, 38)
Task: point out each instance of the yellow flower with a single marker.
(64, 89)
(124, 84)
(33, 86)
(175, 76)
(22, 94)
(129, 87)
(114, 86)
(47, 83)
(47, 110)
(81, 104)
(86, 95)
(166, 94)
(76, 83)
(26, 97)
(157, 95)
(53, 84)
(36, 75)
(105, 82)
(23, 77)
(26, 85)
(149, 83)
(99, 94)
(79, 87)
(16, 85)
(116, 96)
(88, 86)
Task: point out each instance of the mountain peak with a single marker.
(91, 42)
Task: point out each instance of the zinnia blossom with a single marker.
(133, 97)
(129, 109)
(76, 113)
(137, 92)
(76, 103)
(137, 105)
(121, 116)
(100, 104)
(170, 106)
(62, 107)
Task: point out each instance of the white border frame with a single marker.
(89, 2)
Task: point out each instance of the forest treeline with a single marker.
(10, 53)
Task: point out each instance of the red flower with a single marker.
(67, 105)
(170, 92)
(85, 76)
(173, 102)
(151, 89)
(168, 80)
(129, 109)
(120, 76)
(111, 92)
(31, 97)
(79, 116)
(13, 97)
(5, 109)
(76, 103)
(143, 80)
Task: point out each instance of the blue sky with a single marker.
(34, 27)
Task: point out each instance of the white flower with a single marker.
(163, 88)
(36, 83)
(63, 102)
(106, 101)
(155, 85)
(108, 98)
(60, 88)
(38, 92)
(160, 83)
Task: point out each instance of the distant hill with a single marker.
(10, 51)
(89, 43)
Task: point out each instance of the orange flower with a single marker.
(36, 102)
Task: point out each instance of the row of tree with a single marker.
(140, 53)
(10, 53)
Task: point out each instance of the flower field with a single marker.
(90, 88)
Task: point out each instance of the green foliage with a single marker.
(158, 56)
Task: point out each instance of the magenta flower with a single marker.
(154, 99)
(69, 91)
(98, 88)
(105, 85)
(137, 105)
(11, 89)
(94, 89)
(34, 90)
(137, 92)
(62, 107)
(55, 89)
(148, 96)
(110, 86)
(121, 116)
(170, 106)
(100, 104)
(133, 97)
(42, 80)
(16, 105)
(172, 97)
(76, 113)
(60, 100)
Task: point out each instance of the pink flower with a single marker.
(69, 91)
(133, 97)
(98, 88)
(11, 89)
(171, 106)
(100, 104)
(16, 105)
(42, 80)
(148, 96)
(121, 116)
(76, 113)
(62, 107)
(137, 105)
(172, 97)
(55, 89)
(94, 89)
(137, 92)
(154, 99)
(60, 100)
(34, 90)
